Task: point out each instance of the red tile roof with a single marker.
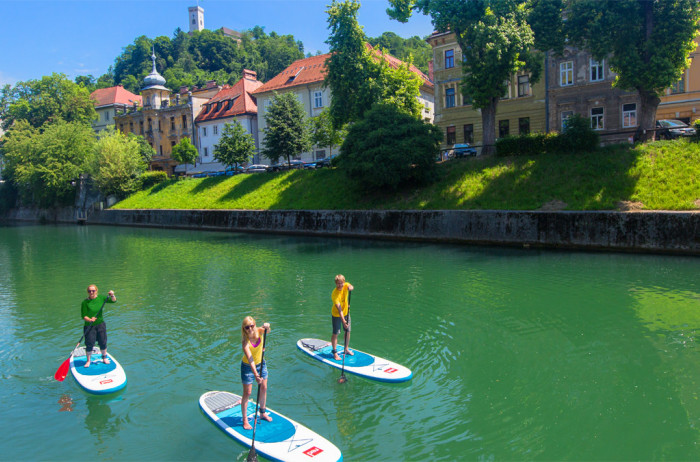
(312, 70)
(232, 101)
(114, 95)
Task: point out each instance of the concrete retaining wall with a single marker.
(659, 232)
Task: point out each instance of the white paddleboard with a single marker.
(282, 439)
(360, 363)
(99, 378)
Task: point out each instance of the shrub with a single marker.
(578, 136)
(522, 145)
(148, 179)
(389, 148)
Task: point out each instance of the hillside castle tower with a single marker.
(196, 18)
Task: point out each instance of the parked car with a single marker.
(235, 170)
(309, 165)
(200, 175)
(669, 129)
(326, 162)
(256, 168)
(278, 167)
(220, 173)
(296, 164)
(463, 150)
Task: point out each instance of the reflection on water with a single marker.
(516, 354)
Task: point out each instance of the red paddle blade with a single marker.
(62, 371)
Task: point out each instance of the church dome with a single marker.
(154, 79)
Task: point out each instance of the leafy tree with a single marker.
(48, 99)
(184, 152)
(413, 49)
(236, 145)
(324, 134)
(43, 165)
(118, 163)
(646, 42)
(145, 149)
(496, 42)
(287, 132)
(359, 76)
(87, 81)
(389, 148)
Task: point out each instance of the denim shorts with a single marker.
(247, 376)
(338, 324)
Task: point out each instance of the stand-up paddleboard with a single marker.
(282, 439)
(360, 363)
(99, 378)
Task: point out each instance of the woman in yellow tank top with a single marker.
(253, 368)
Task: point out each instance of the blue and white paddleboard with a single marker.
(362, 364)
(282, 439)
(99, 378)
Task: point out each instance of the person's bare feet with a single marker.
(246, 425)
(105, 360)
(264, 416)
(336, 357)
(87, 364)
(349, 353)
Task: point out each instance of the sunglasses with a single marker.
(251, 326)
(91, 291)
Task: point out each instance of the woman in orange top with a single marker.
(253, 367)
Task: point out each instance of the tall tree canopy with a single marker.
(496, 42)
(49, 99)
(646, 42)
(193, 59)
(236, 145)
(359, 76)
(414, 48)
(287, 133)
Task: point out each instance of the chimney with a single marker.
(211, 84)
(250, 75)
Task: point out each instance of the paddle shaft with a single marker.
(342, 378)
(251, 454)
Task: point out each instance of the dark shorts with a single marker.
(92, 333)
(247, 376)
(338, 324)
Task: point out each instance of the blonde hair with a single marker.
(248, 320)
(340, 277)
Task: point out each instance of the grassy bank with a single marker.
(663, 175)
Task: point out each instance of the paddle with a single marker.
(342, 378)
(62, 370)
(252, 455)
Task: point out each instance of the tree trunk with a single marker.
(488, 122)
(647, 116)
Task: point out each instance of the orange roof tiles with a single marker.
(114, 95)
(312, 70)
(232, 101)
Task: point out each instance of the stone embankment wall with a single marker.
(658, 232)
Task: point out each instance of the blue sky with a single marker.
(79, 37)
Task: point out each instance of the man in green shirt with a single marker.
(95, 327)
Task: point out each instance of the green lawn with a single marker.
(655, 176)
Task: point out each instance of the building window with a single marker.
(206, 152)
(106, 117)
(524, 125)
(141, 127)
(596, 70)
(172, 123)
(503, 128)
(184, 122)
(523, 85)
(451, 135)
(679, 87)
(565, 118)
(450, 97)
(204, 131)
(160, 148)
(321, 154)
(629, 115)
(131, 127)
(318, 99)
(449, 59)
(506, 87)
(469, 133)
(566, 73)
(215, 129)
(597, 118)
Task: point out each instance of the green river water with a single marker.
(516, 354)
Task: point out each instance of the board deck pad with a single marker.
(99, 378)
(359, 363)
(282, 439)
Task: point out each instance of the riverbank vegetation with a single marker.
(663, 175)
